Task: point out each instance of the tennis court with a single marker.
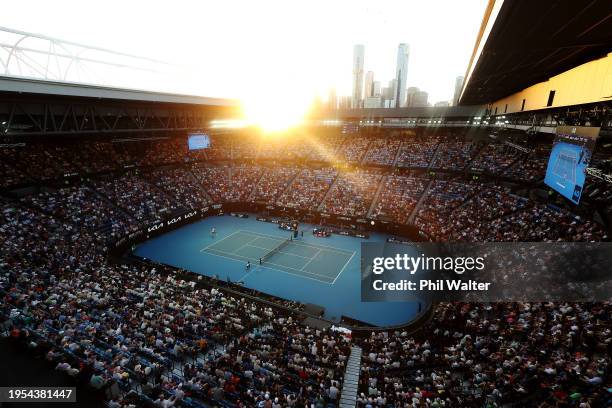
(565, 167)
(311, 269)
(295, 257)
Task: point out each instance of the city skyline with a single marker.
(281, 61)
(367, 93)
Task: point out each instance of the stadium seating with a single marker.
(144, 334)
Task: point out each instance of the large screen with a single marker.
(198, 141)
(569, 158)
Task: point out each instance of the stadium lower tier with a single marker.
(143, 334)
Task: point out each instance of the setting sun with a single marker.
(273, 117)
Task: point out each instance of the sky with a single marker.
(272, 52)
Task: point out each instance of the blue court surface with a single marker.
(322, 271)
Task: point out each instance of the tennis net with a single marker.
(280, 246)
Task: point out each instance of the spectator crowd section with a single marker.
(417, 153)
(398, 198)
(26, 162)
(142, 335)
(308, 188)
(454, 155)
(352, 193)
(273, 183)
(492, 355)
(133, 194)
(382, 152)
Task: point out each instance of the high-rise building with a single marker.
(419, 99)
(372, 102)
(410, 95)
(332, 99)
(458, 86)
(358, 57)
(369, 84)
(376, 88)
(345, 102)
(401, 74)
(388, 94)
(442, 104)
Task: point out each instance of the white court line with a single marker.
(281, 252)
(270, 263)
(311, 259)
(340, 251)
(222, 239)
(344, 267)
(238, 249)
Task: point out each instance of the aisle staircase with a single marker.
(348, 398)
(328, 192)
(416, 208)
(383, 180)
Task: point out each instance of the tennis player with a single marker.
(213, 231)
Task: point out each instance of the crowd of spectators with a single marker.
(443, 197)
(398, 198)
(181, 185)
(352, 193)
(308, 188)
(145, 335)
(454, 155)
(24, 162)
(273, 183)
(495, 158)
(416, 153)
(493, 354)
(133, 194)
(353, 149)
(382, 152)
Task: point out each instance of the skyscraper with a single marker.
(358, 57)
(410, 95)
(458, 86)
(401, 74)
(376, 88)
(369, 84)
(332, 99)
(419, 99)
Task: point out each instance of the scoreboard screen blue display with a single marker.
(569, 159)
(198, 141)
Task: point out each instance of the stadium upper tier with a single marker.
(379, 177)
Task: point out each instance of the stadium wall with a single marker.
(587, 83)
(351, 225)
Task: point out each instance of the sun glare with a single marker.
(275, 114)
(277, 101)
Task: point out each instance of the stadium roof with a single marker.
(521, 43)
(53, 88)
